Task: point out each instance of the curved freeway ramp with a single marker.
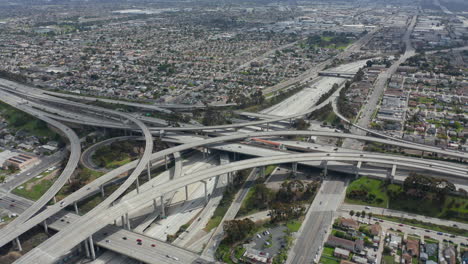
(52, 249)
(86, 157)
(75, 150)
(7, 237)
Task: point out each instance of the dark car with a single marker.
(124, 238)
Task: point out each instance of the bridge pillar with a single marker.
(149, 170)
(18, 244)
(75, 204)
(294, 168)
(165, 161)
(206, 191)
(55, 200)
(358, 167)
(262, 170)
(186, 192)
(91, 246)
(163, 212)
(325, 169)
(268, 126)
(46, 227)
(137, 182)
(391, 175)
(102, 190)
(128, 221)
(122, 218)
(86, 248)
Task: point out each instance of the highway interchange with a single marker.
(97, 226)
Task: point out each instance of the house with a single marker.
(375, 229)
(406, 258)
(349, 223)
(450, 255)
(341, 253)
(354, 246)
(395, 241)
(340, 242)
(359, 260)
(412, 247)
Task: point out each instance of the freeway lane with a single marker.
(75, 151)
(160, 155)
(253, 123)
(52, 249)
(73, 161)
(86, 157)
(379, 87)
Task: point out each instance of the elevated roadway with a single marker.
(111, 237)
(75, 151)
(161, 155)
(52, 249)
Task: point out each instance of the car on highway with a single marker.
(400, 225)
(138, 240)
(124, 238)
(153, 245)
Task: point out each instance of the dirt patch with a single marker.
(50, 176)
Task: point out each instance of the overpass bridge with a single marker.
(123, 241)
(347, 75)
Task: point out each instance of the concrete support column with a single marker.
(268, 127)
(358, 167)
(186, 192)
(18, 244)
(46, 227)
(91, 247)
(294, 168)
(55, 200)
(204, 153)
(205, 188)
(128, 221)
(75, 205)
(86, 248)
(137, 182)
(394, 168)
(262, 171)
(102, 190)
(149, 170)
(165, 161)
(163, 211)
(123, 221)
(325, 169)
(155, 204)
